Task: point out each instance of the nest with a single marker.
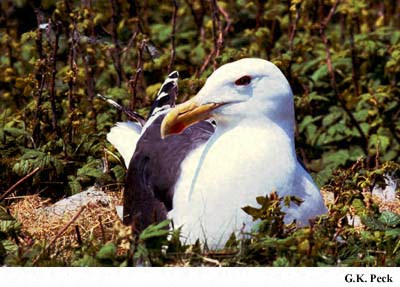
(90, 222)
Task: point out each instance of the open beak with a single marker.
(185, 115)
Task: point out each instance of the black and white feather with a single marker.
(154, 164)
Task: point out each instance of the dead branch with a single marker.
(116, 51)
(260, 12)
(331, 72)
(59, 233)
(78, 235)
(133, 81)
(22, 180)
(130, 44)
(132, 115)
(227, 19)
(293, 29)
(103, 234)
(40, 77)
(198, 16)
(53, 80)
(354, 62)
(62, 230)
(218, 36)
(173, 52)
(205, 63)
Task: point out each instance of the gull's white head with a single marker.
(243, 89)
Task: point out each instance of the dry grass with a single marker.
(95, 221)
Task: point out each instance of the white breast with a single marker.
(242, 163)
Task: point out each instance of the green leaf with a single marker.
(389, 218)
(4, 214)
(86, 261)
(9, 246)
(372, 223)
(107, 252)
(393, 233)
(281, 262)
(156, 230)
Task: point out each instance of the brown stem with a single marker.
(260, 13)
(59, 233)
(130, 44)
(354, 62)
(218, 36)
(78, 235)
(36, 120)
(53, 80)
(22, 180)
(331, 72)
(40, 77)
(72, 67)
(173, 52)
(205, 63)
(90, 83)
(116, 51)
(227, 19)
(103, 234)
(293, 29)
(134, 80)
(198, 16)
(62, 230)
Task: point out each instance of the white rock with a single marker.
(388, 193)
(74, 202)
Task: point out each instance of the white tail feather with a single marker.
(124, 137)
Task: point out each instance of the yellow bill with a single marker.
(185, 115)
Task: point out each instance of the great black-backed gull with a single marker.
(201, 176)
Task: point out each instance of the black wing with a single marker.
(154, 170)
(155, 165)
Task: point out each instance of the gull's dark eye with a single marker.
(243, 81)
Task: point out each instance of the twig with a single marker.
(117, 49)
(133, 81)
(90, 86)
(377, 155)
(198, 16)
(36, 122)
(217, 35)
(72, 66)
(78, 235)
(173, 52)
(331, 72)
(134, 116)
(260, 12)
(294, 28)
(72, 78)
(59, 233)
(106, 164)
(40, 78)
(205, 64)
(213, 261)
(13, 187)
(53, 80)
(130, 44)
(354, 62)
(227, 19)
(103, 234)
(62, 230)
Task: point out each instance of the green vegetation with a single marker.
(342, 59)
